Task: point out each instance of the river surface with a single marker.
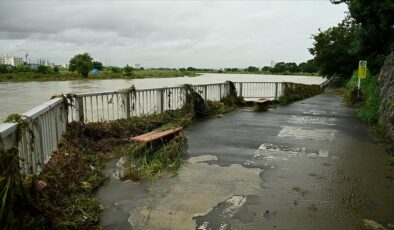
(23, 96)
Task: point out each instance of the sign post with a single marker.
(362, 74)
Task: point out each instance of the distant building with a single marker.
(65, 66)
(10, 60)
(137, 65)
(273, 63)
(44, 62)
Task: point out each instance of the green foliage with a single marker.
(44, 69)
(295, 92)
(22, 68)
(5, 68)
(335, 50)
(82, 63)
(115, 69)
(292, 68)
(98, 65)
(252, 69)
(128, 70)
(155, 159)
(17, 209)
(308, 67)
(369, 112)
(375, 35)
(369, 101)
(390, 160)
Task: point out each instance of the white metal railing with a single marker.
(108, 106)
(269, 90)
(47, 122)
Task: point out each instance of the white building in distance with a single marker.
(10, 60)
(273, 63)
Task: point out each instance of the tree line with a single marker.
(366, 33)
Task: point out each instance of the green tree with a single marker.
(128, 70)
(308, 67)
(335, 50)
(252, 69)
(375, 36)
(5, 68)
(98, 65)
(44, 69)
(82, 63)
(279, 67)
(22, 68)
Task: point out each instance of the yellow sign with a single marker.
(362, 69)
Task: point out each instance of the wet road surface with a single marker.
(308, 165)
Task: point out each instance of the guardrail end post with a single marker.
(276, 91)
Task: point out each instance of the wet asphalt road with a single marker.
(336, 178)
(308, 165)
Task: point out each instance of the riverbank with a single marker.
(138, 74)
(105, 75)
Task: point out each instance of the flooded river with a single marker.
(20, 97)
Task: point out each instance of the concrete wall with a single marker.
(386, 80)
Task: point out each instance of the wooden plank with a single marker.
(155, 135)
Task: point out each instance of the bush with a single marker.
(369, 100)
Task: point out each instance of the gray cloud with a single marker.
(161, 33)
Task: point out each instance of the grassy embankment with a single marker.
(67, 76)
(367, 106)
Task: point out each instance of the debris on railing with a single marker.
(295, 92)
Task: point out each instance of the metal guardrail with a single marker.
(46, 125)
(47, 122)
(108, 106)
(269, 90)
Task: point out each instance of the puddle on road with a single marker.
(198, 188)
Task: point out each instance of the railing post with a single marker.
(205, 92)
(240, 89)
(127, 104)
(276, 91)
(220, 91)
(162, 100)
(79, 108)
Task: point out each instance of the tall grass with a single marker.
(369, 102)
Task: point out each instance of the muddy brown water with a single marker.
(20, 97)
(309, 165)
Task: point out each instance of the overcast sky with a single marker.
(210, 34)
